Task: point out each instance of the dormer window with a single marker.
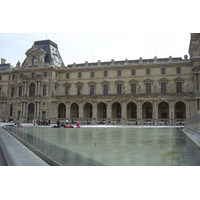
(34, 61)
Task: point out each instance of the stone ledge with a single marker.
(16, 154)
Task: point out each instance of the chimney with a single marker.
(3, 61)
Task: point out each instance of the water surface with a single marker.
(110, 146)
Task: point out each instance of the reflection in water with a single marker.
(110, 146)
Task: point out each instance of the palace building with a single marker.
(144, 91)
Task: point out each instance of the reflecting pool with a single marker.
(98, 146)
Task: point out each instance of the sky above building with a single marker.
(94, 30)
(91, 47)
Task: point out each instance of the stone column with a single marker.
(124, 110)
(171, 112)
(139, 113)
(38, 109)
(94, 112)
(109, 110)
(187, 110)
(81, 110)
(67, 110)
(155, 113)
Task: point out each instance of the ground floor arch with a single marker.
(107, 111)
(102, 111)
(74, 110)
(131, 111)
(116, 110)
(147, 111)
(61, 110)
(87, 111)
(180, 110)
(163, 111)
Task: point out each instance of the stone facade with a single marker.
(145, 91)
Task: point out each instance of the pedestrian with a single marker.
(78, 125)
(58, 123)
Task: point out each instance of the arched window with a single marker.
(119, 73)
(79, 75)
(180, 110)
(133, 72)
(178, 70)
(163, 70)
(105, 73)
(32, 90)
(12, 92)
(34, 61)
(148, 71)
(92, 74)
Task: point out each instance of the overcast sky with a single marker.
(91, 47)
(93, 30)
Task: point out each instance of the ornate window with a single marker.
(67, 76)
(67, 90)
(92, 89)
(163, 87)
(92, 74)
(105, 89)
(20, 91)
(79, 90)
(44, 88)
(163, 71)
(178, 70)
(119, 88)
(32, 90)
(178, 87)
(133, 88)
(119, 73)
(45, 74)
(148, 71)
(105, 73)
(12, 92)
(148, 88)
(133, 72)
(79, 75)
(34, 61)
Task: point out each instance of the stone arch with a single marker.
(87, 111)
(180, 110)
(74, 110)
(131, 110)
(101, 110)
(116, 110)
(32, 89)
(163, 110)
(147, 110)
(61, 110)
